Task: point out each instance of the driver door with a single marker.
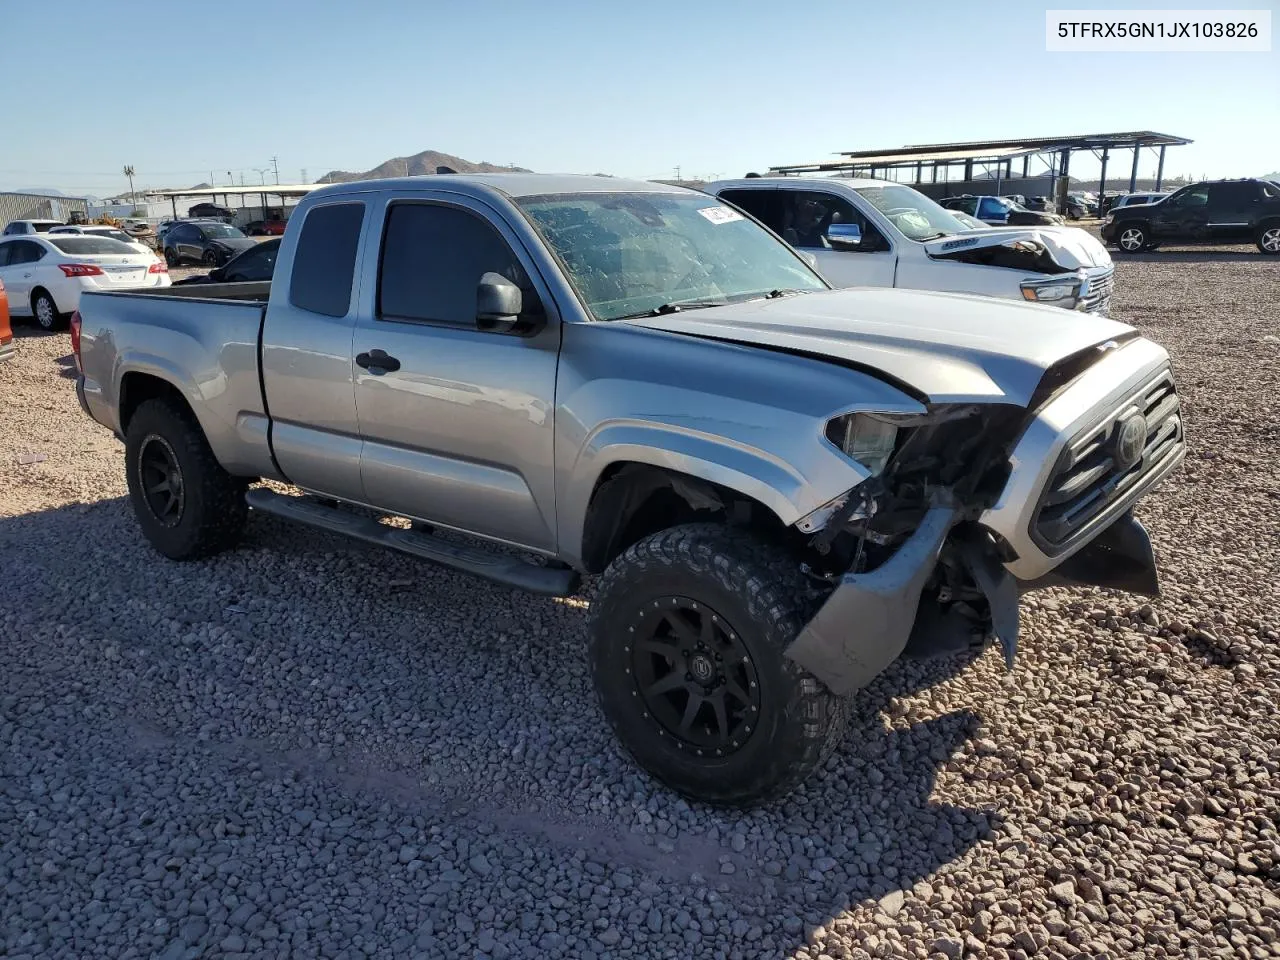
(807, 215)
(1184, 216)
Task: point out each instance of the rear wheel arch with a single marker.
(631, 501)
(1268, 236)
(136, 388)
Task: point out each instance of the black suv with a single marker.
(1217, 211)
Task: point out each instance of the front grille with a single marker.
(1098, 291)
(1091, 474)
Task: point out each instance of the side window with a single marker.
(761, 204)
(324, 262)
(24, 251)
(806, 214)
(991, 209)
(1191, 197)
(257, 264)
(1233, 196)
(432, 260)
(5, 250)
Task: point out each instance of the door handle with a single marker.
(377, 362)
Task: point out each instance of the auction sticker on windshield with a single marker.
(720, 214)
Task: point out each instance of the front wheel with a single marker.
(1269, 239)
(1132, 239)
(687, 639)
(171, 257)
(187, 505)
(210, 258)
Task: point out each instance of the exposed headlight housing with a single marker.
(1050, 291)
(864, 438)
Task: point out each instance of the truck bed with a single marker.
(257, 291)
(203, 339)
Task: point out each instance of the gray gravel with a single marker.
(305, 748)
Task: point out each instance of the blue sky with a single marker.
(179, 90)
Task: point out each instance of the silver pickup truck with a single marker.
(783, 487)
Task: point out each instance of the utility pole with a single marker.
(677, 171)
(276, 166)
(242, 178)
(128, 172)
(304, 175)
(262, 174)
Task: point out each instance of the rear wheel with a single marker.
(187, 505)
(45, 311)
(687, 639)
(1269, 239)
(1132, 239)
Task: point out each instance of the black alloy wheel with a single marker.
(160, 479)
(694, 675)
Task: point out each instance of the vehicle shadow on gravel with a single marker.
(863, 829)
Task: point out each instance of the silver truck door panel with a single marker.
(460, 433)
(307, 357)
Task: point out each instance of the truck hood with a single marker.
(1071, 247)
(949, 347)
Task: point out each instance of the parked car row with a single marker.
(45, 274)
(876, 233)
(1213, 212)
(1001, 211)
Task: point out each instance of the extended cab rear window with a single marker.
(325, 260)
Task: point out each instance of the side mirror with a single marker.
(498, 305)
(217, 275)
(844, 236)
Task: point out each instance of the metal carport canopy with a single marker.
(986, 150)
(281, 190)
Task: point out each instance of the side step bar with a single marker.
(552, 581)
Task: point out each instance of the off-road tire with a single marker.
(762, 596)
(44, 312)
(213, 511)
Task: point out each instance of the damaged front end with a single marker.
(911, 570)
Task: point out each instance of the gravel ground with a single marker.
(306, 748)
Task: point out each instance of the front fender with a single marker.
(789, 488)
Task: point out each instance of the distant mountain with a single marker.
(1271, 176)
(420, 164)
(45, 191)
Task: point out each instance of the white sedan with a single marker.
(45, 275)
(102, 230)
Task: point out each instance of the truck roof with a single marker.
(509, 184)
(851, 182)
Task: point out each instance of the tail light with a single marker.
(158, 267)
(75, 336)
(80, 270)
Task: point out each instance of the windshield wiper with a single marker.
(675, 306)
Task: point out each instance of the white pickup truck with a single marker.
(876, 233)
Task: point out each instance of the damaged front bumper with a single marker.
(869, 620)
(864, 624)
